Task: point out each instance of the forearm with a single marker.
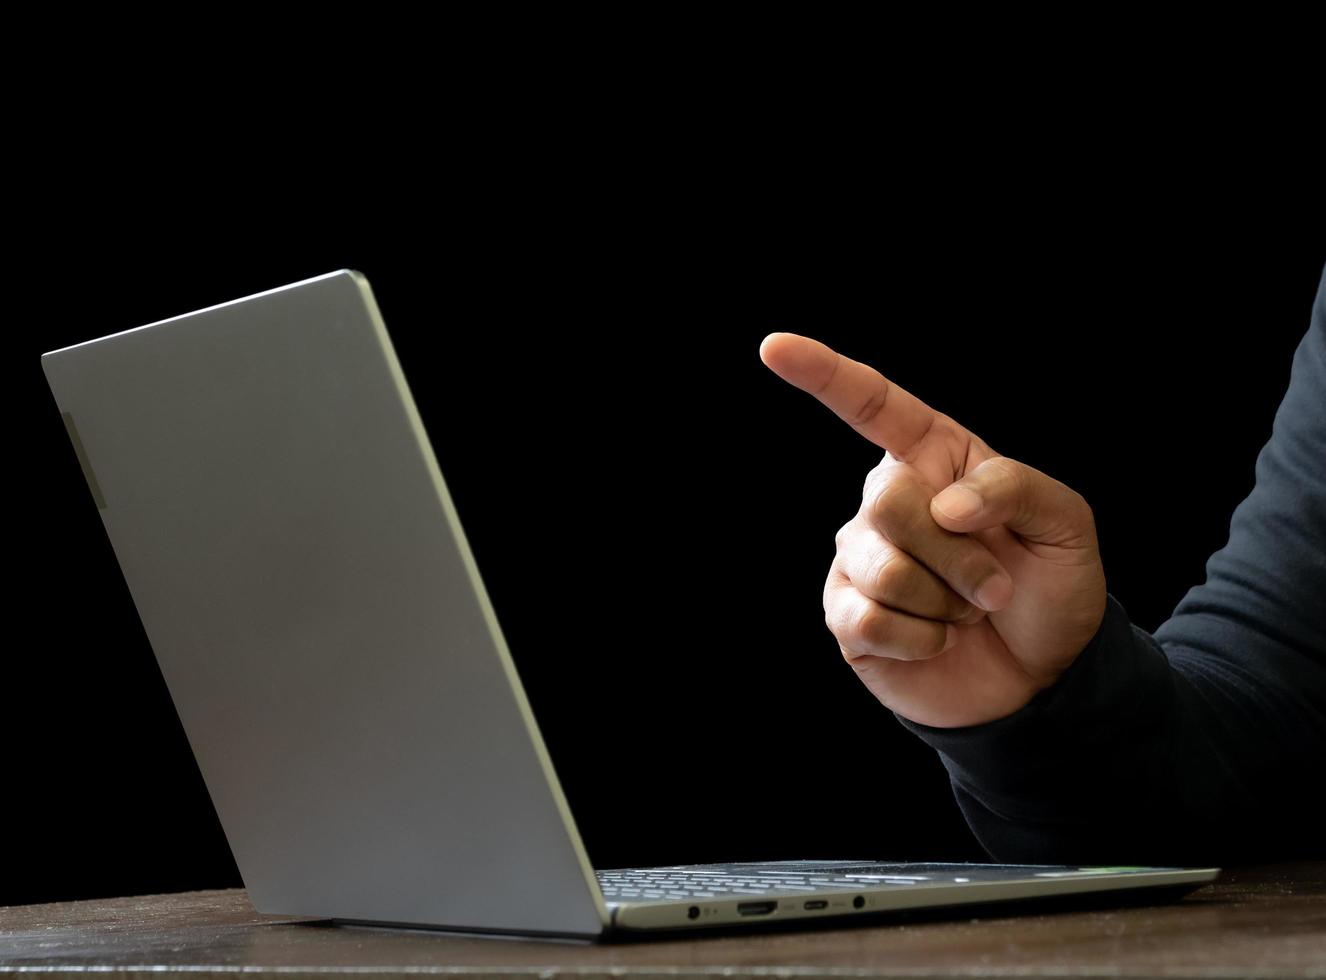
(1140, 755)
(1063, 779)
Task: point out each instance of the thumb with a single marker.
(1028, 502)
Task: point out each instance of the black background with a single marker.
(652, 509)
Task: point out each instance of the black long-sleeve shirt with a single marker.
(1204, 743)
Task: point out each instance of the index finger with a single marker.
(885, 413)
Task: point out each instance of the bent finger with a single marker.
(882, 570)
(865, 628)
(900, 512)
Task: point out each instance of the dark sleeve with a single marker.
(1204, 743)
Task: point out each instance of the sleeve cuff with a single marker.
(1116, 686)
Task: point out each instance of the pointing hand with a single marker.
(953, 607)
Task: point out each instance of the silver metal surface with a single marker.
(932, 886)
(304, 581)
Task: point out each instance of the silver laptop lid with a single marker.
(302, 575)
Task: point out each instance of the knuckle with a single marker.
(830, 579)
(872, 406)
(832, 603)
(1010, 468)
(870, 626)
(841, 612)
(1008, 479)
(1083, 507)
(884, 495)
(1008, 472)
(853, 657)
(891, 509)
(886, 471)
(888, 575)
(1003, 469)
(1019, 475)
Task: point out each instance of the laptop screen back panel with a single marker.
(305, 584)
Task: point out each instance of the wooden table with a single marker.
(1255, 922)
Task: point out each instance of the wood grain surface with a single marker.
(1255, 922)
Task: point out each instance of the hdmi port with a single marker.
(756, 908)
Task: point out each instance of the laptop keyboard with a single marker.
(638, 884)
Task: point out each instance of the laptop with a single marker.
(308, 591)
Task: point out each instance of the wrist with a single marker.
(1044, 699)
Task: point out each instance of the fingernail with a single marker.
(957, 503)
(950, 636)
(994, 593)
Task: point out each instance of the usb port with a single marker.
(817, 903)
(756, 908)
